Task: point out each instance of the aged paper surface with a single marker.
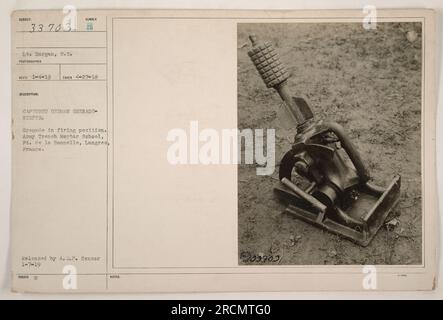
(104, 199)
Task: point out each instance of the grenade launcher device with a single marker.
(340, 196)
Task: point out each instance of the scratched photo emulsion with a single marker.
(338, 106)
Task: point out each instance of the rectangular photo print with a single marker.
(336, 109)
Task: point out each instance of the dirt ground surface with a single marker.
(369, 81)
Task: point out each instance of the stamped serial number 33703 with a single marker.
(247, 257)
(51, 27)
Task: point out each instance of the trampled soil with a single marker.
(369, 81)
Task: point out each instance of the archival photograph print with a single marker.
(338, 109)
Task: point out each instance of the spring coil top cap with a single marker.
(267, 62)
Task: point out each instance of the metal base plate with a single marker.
(369, 207)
